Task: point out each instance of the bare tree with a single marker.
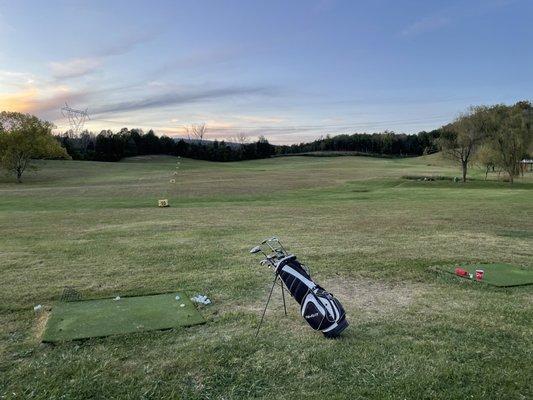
(196, 131)
(240, 138)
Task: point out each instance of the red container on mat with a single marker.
(479, 274)
(460, 272)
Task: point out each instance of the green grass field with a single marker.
(368, 235)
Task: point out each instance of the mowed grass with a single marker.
(367, 234)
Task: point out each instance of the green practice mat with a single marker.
(104, 317)
(496, 274)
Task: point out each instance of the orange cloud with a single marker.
(43, 100)
(23, 101)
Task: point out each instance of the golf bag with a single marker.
(322, 311)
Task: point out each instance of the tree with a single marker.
(240, 138)
(87, 141)
(427, 141)
(150, 143)
(487, 157)
(264, 149)
(182, 148)
(108, 146)
(24, 137)
(197, 131)
(461, 139)
(131, 147)
(167, 145)
(511, 136)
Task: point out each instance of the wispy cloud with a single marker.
(448, 15)
(15, 79)
(75, 67)
(127, 43)
(78, 67)
(199, 59)
(424, 25)
(183, 97)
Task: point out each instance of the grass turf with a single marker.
(367, 234)
(105, 317)
(497, 274)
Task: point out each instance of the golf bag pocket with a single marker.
(321, 310)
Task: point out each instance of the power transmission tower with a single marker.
(76, 118)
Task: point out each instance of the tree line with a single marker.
(109, 146)
(387, 143)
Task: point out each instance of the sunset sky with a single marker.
(290, 70)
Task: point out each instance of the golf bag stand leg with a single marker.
(276, 276)
(283, 295)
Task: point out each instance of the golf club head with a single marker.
(270, 239)
(255, 250)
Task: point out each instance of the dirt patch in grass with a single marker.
(374, 299)
(362, 297)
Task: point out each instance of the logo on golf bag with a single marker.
(321, 309)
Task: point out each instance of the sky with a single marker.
(289, 70)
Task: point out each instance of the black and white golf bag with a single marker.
(322, 311)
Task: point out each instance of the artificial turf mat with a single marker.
(104, 317)
(496, 274)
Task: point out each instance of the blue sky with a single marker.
(290, 70)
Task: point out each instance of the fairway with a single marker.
(368, 234)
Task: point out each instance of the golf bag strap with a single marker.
(306, 281)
